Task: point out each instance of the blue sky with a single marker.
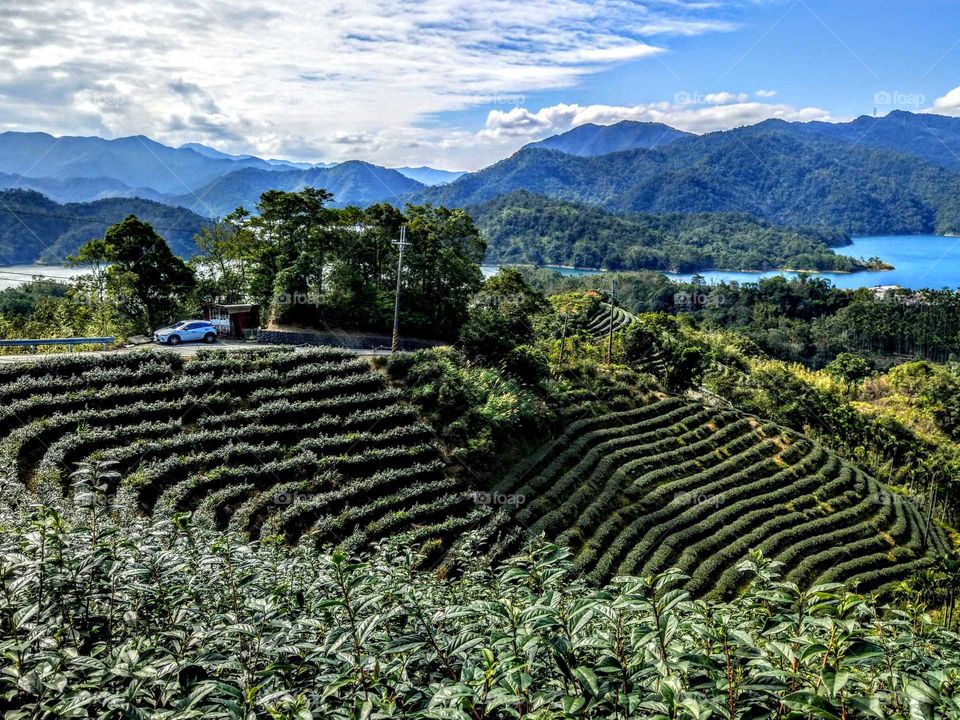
(456, 83)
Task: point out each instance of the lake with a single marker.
(13, 275)
(920, 261)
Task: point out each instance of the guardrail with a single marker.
(32, 343)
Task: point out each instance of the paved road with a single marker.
(186, 349)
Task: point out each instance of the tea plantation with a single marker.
(674, 484)
(311, 444)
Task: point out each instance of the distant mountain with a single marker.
(352, 183)
(771, 171)
(77, 189)
(34, 228)
(135, 161)
(592, 140)
(428, 175)
(215, 154)
(935, 138)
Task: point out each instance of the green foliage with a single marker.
(166, 618)
(772, 171)
(479, 412)
(147, 282)
(849, 368)
(525, 228)
(34, 228)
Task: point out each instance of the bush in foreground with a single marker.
(168, 620)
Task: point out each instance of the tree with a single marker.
(500, 317)
(849, 368)
(227, 249)
(298, 235)
(144, 278)
(442, 267)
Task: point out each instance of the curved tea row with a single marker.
(309, 443)
(676, 484)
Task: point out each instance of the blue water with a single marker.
(920, 261)
(491, 270)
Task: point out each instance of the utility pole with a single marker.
(401, 243)
(613, 297)
(563, 341)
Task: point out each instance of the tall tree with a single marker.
(145, 279)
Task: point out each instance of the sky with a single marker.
(459, 84)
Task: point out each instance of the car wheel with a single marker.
(210, 338)
(173, 340)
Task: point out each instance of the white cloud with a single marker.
(765, 93)
(949, 104)
(529, 125)
(332, 80)
(725, 98)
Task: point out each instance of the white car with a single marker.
(186, 331)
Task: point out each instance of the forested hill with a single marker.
(768, 171)
(34, 228)
(522, 227)
(593, 140)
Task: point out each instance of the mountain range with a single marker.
(34, 228)
(213, 183)
(592, 140)
(873, 175)
(896, 174)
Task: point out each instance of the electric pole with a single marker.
(401, 243)
(613, 295)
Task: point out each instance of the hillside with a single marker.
(592, 140)
(524, 228)
(34, 228)
(311, 444)
(934, 138)
(768, 171)
(307, 443)
(674, 484)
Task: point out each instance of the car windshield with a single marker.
(179, 325)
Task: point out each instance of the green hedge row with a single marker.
(634, 541)
(297, 519)
(28, 385)
(287, 411)
(575, 439)
(389, 420)
(611, 534)
(625, 443)
(735, 496)
(609, 470)
(334, 529)
(75, 364)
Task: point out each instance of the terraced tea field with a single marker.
(598, 324)
(313, 445)
(309, 443)
(676, 484)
